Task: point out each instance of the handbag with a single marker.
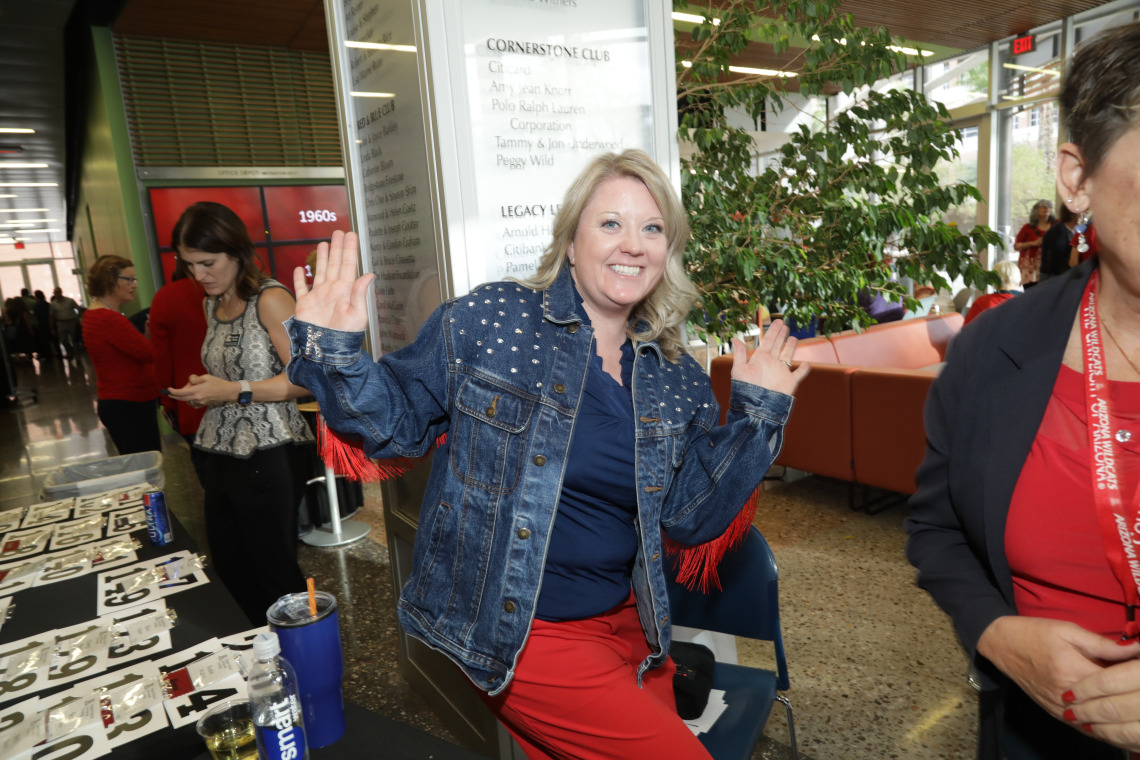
(694, 677)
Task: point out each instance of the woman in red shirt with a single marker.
(122, 357)
(1025, 524)
(1028, 242)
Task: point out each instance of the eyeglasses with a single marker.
(128, 279)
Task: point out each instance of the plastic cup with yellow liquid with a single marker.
(227, 729)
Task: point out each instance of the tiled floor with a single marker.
(875, 670)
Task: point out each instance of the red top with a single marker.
(1029, 260)
(177, 330)
(1052, 536)
(988, 301)
(122, 357)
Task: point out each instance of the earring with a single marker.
(1082, 225)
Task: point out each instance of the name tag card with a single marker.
(128, 586)
(85, 530)
(19, 575)
(128, 681)
(87, 505)
(18, 544)
(11, 519)
(127, 520)
(45, 512)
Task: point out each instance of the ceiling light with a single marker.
(19, 210)
(1018, 67)
(9, 195)
(8, 165)
(380, 46)
(909, 50)
(29, 184)
(26, 232)
(372, 94)
(693, 18)
(761, 72)
(16, 131)
(27, 222)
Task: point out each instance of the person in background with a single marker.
(1028, 241)
(252, 427)
(1010, 275)
(1025, 513)
(33, 323)
(46, 345)
(1057, 246)
(122, 358)
(65, 322)
(177, 331)
(578, 433)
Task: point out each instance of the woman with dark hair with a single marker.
(252, 425)
(579, 437)
(1025, 523)
(122, 358)
(1028, 242)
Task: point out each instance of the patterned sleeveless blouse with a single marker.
(241, 349)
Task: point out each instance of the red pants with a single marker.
(574, 694)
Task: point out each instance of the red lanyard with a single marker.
(1119, 524)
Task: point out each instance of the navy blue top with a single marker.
(593, 542)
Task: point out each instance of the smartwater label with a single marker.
(282, 738)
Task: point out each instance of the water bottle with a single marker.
(274, 703)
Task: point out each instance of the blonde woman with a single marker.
(577, 430)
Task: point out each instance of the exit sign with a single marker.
(1026, 44)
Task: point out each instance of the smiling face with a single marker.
(217, 272)
(619, 250)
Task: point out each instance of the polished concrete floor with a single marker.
(875, 670)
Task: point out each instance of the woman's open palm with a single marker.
(337, 299)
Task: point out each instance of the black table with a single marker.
(204, 612)
(371, 736)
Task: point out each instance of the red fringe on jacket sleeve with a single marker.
(697, 565)
(348, 459)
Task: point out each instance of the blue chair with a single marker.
(748, 605)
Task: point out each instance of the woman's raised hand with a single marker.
(770, 365)
(338, 299)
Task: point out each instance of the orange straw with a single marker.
(312, 598)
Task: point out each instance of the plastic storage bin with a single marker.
(108, 474)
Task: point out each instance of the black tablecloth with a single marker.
(204, 612)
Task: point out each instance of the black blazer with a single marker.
(981, 417)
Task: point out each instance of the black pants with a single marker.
(251, 524)
(133, 425)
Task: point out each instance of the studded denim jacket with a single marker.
(501, 371)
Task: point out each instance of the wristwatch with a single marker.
(245, 396)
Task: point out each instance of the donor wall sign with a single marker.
(464, 122)
(550, 85)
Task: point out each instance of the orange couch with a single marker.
(858, 414)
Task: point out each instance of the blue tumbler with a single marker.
(312, 646)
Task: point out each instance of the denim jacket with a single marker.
(501, 371)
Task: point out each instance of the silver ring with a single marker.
(786, 362)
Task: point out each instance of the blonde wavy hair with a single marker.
(662, 315)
